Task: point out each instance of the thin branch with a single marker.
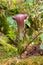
(33, 39)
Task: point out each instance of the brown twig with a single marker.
(33, 39)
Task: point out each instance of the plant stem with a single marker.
(33, 39)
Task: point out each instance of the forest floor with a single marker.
(32, 60)
(8, 58)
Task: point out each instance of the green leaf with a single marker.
(41, 37)
(11, 21)
(41, 46)
(27, 23)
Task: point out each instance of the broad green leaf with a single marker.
(27, 23)
(41, 46)
(29, 1)
(41, 37)
(11, 21)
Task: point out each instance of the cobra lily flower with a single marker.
(20, 22)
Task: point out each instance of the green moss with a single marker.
(6, 50)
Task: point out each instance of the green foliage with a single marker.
(3, 5)
(28, 1)
(8, 26)
(9, 9)
(11, 33)
(41, 46)
(19, 47)
(4, 26)
(41, 36)
(42, 14)
(27, 23)
(12, 23)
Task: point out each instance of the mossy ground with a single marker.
(7, 56)
(6, 50)
(33, 60)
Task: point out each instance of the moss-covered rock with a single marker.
(6, 50)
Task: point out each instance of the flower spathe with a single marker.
(20, 22)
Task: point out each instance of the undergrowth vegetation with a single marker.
(10, 43)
